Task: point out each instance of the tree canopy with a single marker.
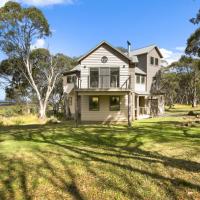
(193, 42)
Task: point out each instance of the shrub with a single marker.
(9, 112)
(192, 113)
(52, 120)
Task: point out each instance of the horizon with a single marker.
(79, 25)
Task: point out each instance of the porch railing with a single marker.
(103, 82)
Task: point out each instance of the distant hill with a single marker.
(4, 102)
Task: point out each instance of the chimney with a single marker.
(129, 48)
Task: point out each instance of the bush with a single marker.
(9, 112)
(192, 113)
(52, 120)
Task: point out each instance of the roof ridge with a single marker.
(144, 47)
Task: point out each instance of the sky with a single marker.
(79, 25)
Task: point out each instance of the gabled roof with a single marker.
(132, 59)
(146, 50)
(74, 70)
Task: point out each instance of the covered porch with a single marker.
(142, 106)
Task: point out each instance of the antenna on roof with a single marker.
(129, 47)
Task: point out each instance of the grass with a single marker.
(155, 159)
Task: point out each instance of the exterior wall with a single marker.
(142, 64)
(64, 83)
(141, 68)
(132, 76)
(72, 107)
(94, 60)
(152, 69)
(140, 87)
(67, 87)
(104, 114)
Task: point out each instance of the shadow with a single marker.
(60, 161)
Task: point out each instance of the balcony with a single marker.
(104, 82)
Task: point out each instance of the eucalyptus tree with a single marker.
(187, 70)
(20, 28)
(193, 42)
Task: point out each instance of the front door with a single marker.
(104, 77)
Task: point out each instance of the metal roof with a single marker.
(145, 50)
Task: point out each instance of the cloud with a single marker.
(40, 43)
(40, 2)
(172, 56)
(180, 48)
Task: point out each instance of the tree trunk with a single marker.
(42, 110)
(194, 100)
(66, 107)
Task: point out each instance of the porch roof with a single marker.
(75, 70)
(142, 93)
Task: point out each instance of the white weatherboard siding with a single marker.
(140, 87)
(152, 69)
(72, 106)
(104, 114)
(94, 60)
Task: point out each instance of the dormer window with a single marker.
(152, 60)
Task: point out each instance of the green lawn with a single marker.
(155, 159)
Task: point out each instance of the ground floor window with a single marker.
(114, 103)
(93, 103)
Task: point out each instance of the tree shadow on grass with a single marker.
(107, 147)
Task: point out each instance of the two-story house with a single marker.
(111, 86)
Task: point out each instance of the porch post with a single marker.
(76, 109)
(137, 106)
(129, 120)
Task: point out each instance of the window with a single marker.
(71, 79)
(152, 60)
(70, 101)
(138, 79)
(156, 61)
(114, 77)
(142, 79)
(114, 103)
(93, 103)
(94, 77)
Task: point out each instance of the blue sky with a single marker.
(79, 25)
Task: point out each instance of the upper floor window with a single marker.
(93, 103)
(114, 103)
(156, 61)
(114, 77)
(71, 79)
(94, 77)
(140, 79)
(152, 60)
